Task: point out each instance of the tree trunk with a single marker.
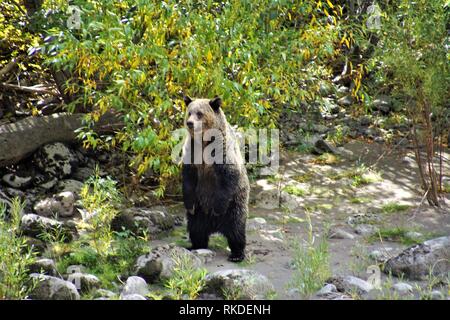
(20, 139)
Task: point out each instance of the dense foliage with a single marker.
(138, 58)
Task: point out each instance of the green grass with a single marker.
(187, 280)
(360, 200)
(398, 234)
(327, 158)
(294, 190)
(15, 254)
(218, 242)
(393, 207)
(311, 263)
(302, 178)
(118, 262)
(359, 176)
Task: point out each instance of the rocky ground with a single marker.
(362, 199)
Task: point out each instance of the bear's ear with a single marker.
(215, 103)
(187, 100)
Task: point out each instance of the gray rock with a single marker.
(403, 288)
(71, 185)
(83, 173)
(382, 103)
(321, 146)
(327, 289)
(413, 235)
(56, 160)
(147, 220)
(345, 101)
(436, 295)
(340, 234)
(256, 224)
(52, 288)
(289, 201)
(84, 282)
(268, 199)
(205, 255)
(132, 297)
(16, 181)
(351, 284)
(61, 205)
(33, 225)
(238, 284)
(334, 296)
(380, 256)
(417, 261)
(43, 266)
(160, 262)
(320, 128)
(366, 230)
(104, 294)
(134, 285)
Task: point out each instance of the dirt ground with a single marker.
(331, 202)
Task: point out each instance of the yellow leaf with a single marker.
(209, 56)
(330, 4)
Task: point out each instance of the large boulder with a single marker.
(52, 288)
(147, 220)
(418, 261)
(159, 264)
(56, 160)
(238, 284)
(33, 225)
(43, 266)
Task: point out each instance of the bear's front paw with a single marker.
(236, 257)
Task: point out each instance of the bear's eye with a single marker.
(199, 114)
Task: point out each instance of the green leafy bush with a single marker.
(139, 57)
(15, 254)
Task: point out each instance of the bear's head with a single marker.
(203, 114)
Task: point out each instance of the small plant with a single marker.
(218, 242)
(397, 234)
(311, 263)
(101, 200)
(187, 279)
(393, 207)
(360, 200)
(337, 136)
(306, 177)
(294, 190)
(359, 175)
(15, 254)
(327, 158)
(360, 260)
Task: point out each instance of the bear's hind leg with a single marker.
(236, 242)
(199, 240)
(198, 232)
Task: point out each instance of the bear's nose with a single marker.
(190, 124)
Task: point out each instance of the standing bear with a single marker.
(215, 182)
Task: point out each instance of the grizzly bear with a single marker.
(215, 192)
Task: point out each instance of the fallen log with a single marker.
(20, 139)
